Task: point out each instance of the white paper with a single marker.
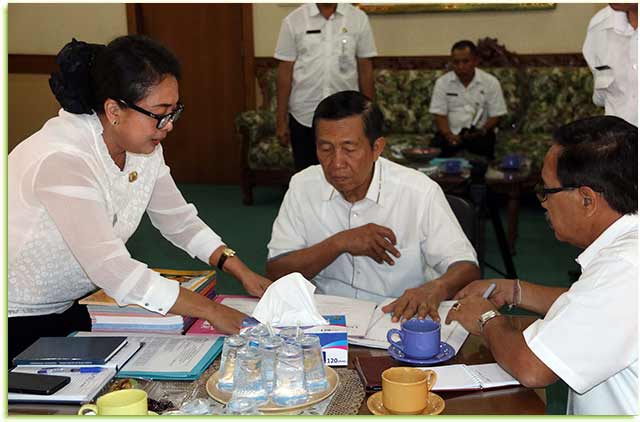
(166, 354)
(380, 323)
(471, 377)
(357, 312)
(82, 388)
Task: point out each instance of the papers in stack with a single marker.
(380, 323)
(367, 325)
(107, 316)
(84, 386)
(168, 357)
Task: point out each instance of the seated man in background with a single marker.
(589, 334)
(361, 226)
(467, 103)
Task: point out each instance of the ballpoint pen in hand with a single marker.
(489, 290)
(82, 370)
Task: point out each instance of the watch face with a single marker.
(229, 252)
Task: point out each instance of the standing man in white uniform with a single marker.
(467, 103)
(323, 48)
(361, 226)
(589, 334)
(611, 50)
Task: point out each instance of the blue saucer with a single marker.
(446, 353)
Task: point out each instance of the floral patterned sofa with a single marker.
(541, 92)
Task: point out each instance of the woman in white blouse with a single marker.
(78, 189)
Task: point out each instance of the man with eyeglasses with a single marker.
(589, 334)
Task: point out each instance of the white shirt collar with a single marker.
(476, 78)
(374, 193)
(623, 225)
(315, 11)
(620, 23)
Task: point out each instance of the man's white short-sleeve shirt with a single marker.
(611, 50)
(589, 336)
(479, 100)
(324, 52)
(428, 234)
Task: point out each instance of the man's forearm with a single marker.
(458, 275)
(283, 84)
(442, 123)
(510, 350)
(491, 123)
(365, 78)
(537, 298)
(308, 261)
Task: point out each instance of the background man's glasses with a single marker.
(543, 193)
(163, 120)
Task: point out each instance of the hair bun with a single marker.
(72, 84)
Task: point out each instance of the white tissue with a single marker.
(289, 302)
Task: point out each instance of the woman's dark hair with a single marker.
(125, 69)
(601, 153)
(351, 103)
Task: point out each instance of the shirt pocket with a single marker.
(309, 45)
(455, 102)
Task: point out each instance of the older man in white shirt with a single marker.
(589, 334)
(467, 103)
(611, 50)
(361, 226)
(323, 48)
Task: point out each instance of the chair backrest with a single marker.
(467, 216)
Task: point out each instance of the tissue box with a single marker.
(333, 338)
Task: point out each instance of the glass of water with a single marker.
(257, 334)
(228, 361)
(290, 334)
(268, 347)
(247, 377)
(315, 377)
(289, 388)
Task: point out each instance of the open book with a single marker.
(471, 377)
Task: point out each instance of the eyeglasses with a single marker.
(543, 193)
(163, 120)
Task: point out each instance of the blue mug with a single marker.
(419, 338)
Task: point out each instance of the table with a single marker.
(516, 400)
(505, 401)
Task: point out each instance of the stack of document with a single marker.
(107, 316)
(100, 362)
(167, 356)
(367, 325)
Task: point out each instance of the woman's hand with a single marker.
(226, 319)
(502, 295)
(255, 284)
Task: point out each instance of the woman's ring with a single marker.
(456, 306)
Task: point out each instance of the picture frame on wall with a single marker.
(391, 8)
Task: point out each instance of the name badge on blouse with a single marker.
(343, 59)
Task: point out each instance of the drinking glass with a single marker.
(315, 378)
(228, 361)
(247, 378)
(268, 347)
(289, 389)
(290, 334)
(256, 334)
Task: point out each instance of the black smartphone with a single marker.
(24, 383)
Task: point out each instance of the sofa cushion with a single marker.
(267, 153)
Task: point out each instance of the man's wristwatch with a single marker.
(226, 253)
(484, 318)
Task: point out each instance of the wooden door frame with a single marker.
(134, 26)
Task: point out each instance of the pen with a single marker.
(489, 290)
(82, 370)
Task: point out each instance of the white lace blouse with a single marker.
(71, 210)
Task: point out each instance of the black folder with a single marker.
(70, 351)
